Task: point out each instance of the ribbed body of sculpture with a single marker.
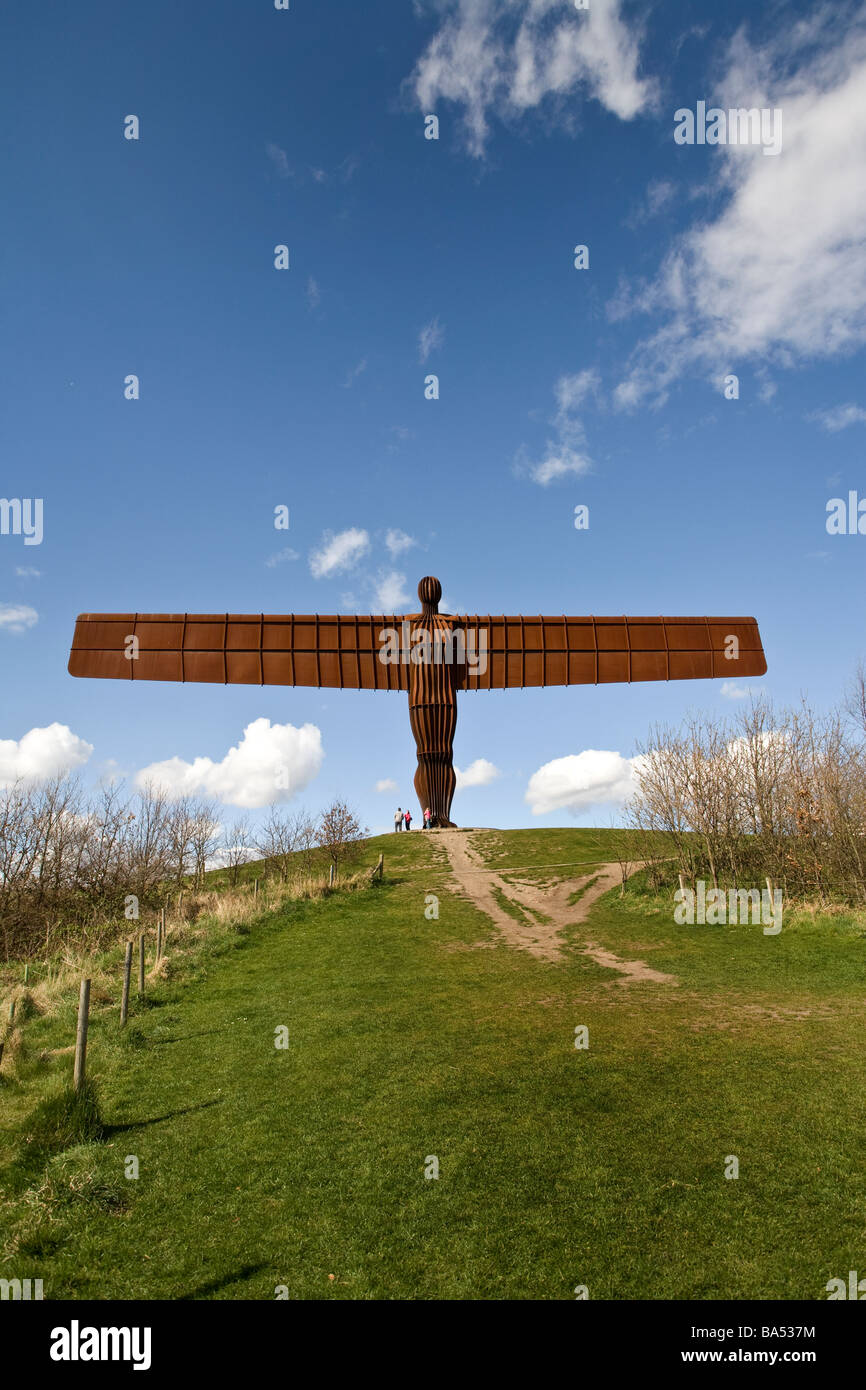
(433, 710)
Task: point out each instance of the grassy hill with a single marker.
(412, 1037)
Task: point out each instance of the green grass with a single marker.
(558, 1166)
(517, 849)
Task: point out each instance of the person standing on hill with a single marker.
(398, 819)
(427, 825)
(408, 819)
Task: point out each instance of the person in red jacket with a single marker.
(408, 819)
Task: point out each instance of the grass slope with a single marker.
(410, 1038)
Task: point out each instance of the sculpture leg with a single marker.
(433, 727)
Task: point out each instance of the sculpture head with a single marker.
(430, 592)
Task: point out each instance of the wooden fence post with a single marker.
(81, 1036)
(682, 884)
(141, 964)
(255, 889)
(26, 973)
(380, 868)
(127, 972)
(332, 874)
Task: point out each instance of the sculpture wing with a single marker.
(237, 649)
(525, 651)
(343, 653)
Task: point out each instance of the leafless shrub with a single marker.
(339, 833)
(205, 838)
(771, 793)
(285, 842)
(236, 847)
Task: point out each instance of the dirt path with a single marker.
(532, 917)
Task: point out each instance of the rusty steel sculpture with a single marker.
(429, 655)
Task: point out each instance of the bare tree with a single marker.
(855, 697)
(149, 843)
(306, 840)
(205, 837)
(339, 833)
(781, 794)
(622, 840)
(181, 831)
(237, 847)
(275, 842)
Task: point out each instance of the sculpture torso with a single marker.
(435, 682)
(433, 686)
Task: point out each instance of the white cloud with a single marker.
(565, 452)
(731, 691)
(399, 435)
(478, 774)
(110, 772)
(17, 617)
(271, 763)
(281, 557)
(446, 606)
(397, 541)
(225, 853)
(42, 753)
(430, 339)
(780, 273)
(27, 572)
(839, 417)
(279, 159)
(767, 388)
(313, 294)
(354, 372)
(339, 552)
(659, 194)
(505, 57)
(386, 784)
(572, 391)
(581, 780)
(391, 592)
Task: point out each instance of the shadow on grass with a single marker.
(205, 1033)
(145, 1002)
(205, 1290)
(109, 1130)
(59, 1122)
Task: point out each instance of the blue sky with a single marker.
(410, 256)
